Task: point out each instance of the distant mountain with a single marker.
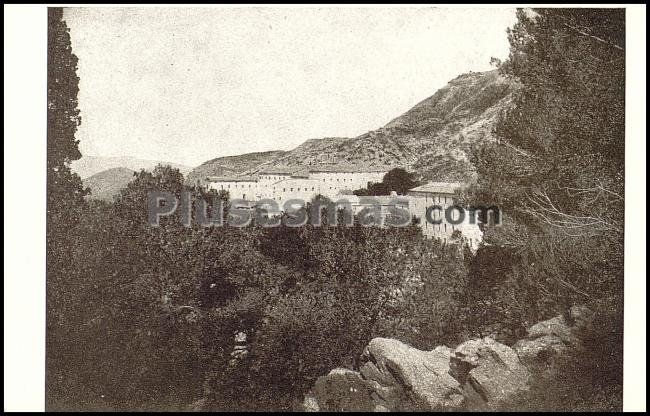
(90, 165)
(108, 183)
(433, 138)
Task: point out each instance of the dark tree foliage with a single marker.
(65, 204)
(157, 307)
(558, 168)
(64, 187)
(557, 173)
(397, 180)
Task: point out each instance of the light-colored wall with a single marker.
(420, 201)
(279, 186)
(266, 178)
(295, 188)
(237, 189)
(334, 182)
(282, 188)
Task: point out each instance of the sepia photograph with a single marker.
(338, 208)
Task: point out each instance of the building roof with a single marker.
(278, 171)
(347, 169)
(296, 172)
(296, 181)
(232, 178)
(439, 187)
(304, 171)
(370, 200)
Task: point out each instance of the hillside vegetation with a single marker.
(433, 138)
(231, 165)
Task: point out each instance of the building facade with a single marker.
(283, 185)
(444, 217)
(443, 222)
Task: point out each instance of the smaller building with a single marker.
(441, 195)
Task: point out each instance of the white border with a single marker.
(634, 332)
(25, 44)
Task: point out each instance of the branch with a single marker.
(594, 37)
(544, 210)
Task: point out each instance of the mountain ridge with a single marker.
(89, 165)
(433, 138)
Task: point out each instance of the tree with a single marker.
(64, 187)
(557, 172)
(65, 206)
(397, 179)
(557, 168)
(562, 143)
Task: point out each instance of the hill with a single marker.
(433, 138)
(231, 165)
(106, 184)
(90, 165)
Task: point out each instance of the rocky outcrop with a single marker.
(341, 390)
(491, 369)
(548, 340)
(478, 375)
(404, 377)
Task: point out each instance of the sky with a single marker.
(186, 85)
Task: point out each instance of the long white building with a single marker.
(282, 185)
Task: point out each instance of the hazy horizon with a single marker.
(190, 84)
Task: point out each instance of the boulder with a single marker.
(539, 353)
(582, 319)
(406, 378)
(549, 340)
(310, 404)
(340, 390)
(555, 327)
(198, 405)
(493, 370)
(477, 375)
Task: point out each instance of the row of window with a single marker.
(429, 225)
(324, 179)
(440, 200)
(235, 186)
(313, 189)
(297, 189)
(274, 177)
(249, 186)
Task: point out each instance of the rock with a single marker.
(342, 390)
(539, 353)
(370, 371)
(582, 319)
(557, 327)
(492, 369)
(389, 393)
(197, 406)
(477, 375)
(310, 404)
(406, 374)
(549, 340)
